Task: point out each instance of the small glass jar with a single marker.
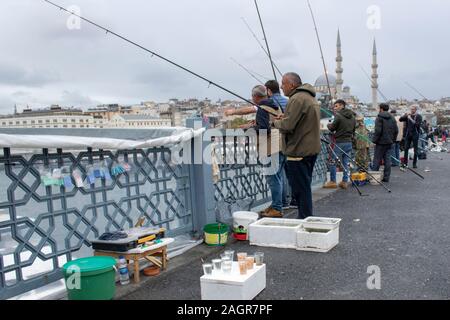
(250, 261)
(230, 253)
(259, 258)
(207, 269)
(242, 256)
(242, 267)
(227, 265)
(217, 264)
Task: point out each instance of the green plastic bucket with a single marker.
(216, 234)
(91, 278)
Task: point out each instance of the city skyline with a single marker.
(86, 67)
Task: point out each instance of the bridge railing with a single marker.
(44, 224)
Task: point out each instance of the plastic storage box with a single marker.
(278, 233)
(220, 286)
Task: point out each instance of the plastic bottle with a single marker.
(124, 275)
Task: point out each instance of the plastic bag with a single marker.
(90, 174)
(46, 175)
(78, 177)
(66, 177)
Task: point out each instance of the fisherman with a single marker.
(386, 132)
(301, 127)
(273, 91)
(266, 108)
(343, 127)
(411, 134)
(395, 152)
(361, 145)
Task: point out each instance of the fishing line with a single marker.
(153, 53)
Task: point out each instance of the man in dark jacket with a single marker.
(386, 131)
(343, 127)
(301, 127)
(411, 134)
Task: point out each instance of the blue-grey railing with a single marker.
(42, 227)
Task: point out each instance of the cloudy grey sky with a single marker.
(43, 62)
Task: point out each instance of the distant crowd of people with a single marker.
(296, 120)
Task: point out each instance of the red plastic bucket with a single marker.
(240, 236)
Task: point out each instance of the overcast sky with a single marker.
(42, 61)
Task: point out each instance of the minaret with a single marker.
(339, 70)
(374, 76)
(15, 109)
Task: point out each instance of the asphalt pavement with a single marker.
(406, 234)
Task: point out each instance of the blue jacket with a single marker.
(263, 117)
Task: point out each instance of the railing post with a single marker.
(202, 186)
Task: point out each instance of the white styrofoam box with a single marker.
(309, 239)
(272, 232)
(320, 222)
(234, 286)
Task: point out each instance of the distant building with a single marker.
(139, 121)
(108, 111)
(53, 117)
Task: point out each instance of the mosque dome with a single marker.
(322, 81)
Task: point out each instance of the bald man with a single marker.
(301, 127)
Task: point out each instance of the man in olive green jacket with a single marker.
(300, 126)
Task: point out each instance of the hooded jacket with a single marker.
(386, 129)
(344, 125)
(301, 123)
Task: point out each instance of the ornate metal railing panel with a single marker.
(241, 174)
(42, 227)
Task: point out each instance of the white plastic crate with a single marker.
(377, 175)
(321, 239)
(220, 286)
(278, 233)
(319, 222)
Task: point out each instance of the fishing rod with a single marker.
(366, 170)
(381, 93)
(252, 74)
(417, 91)
(108, 31)
(260, 44)
(343, 168)
(320, 47)
(371, 81)
(365, 138)
(265, 39)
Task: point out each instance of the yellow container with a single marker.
(362, 176)
(216, 234)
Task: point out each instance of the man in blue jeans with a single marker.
(343, 127)
(266, 109)
(273, 90)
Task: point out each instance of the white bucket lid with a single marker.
(245, 215)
